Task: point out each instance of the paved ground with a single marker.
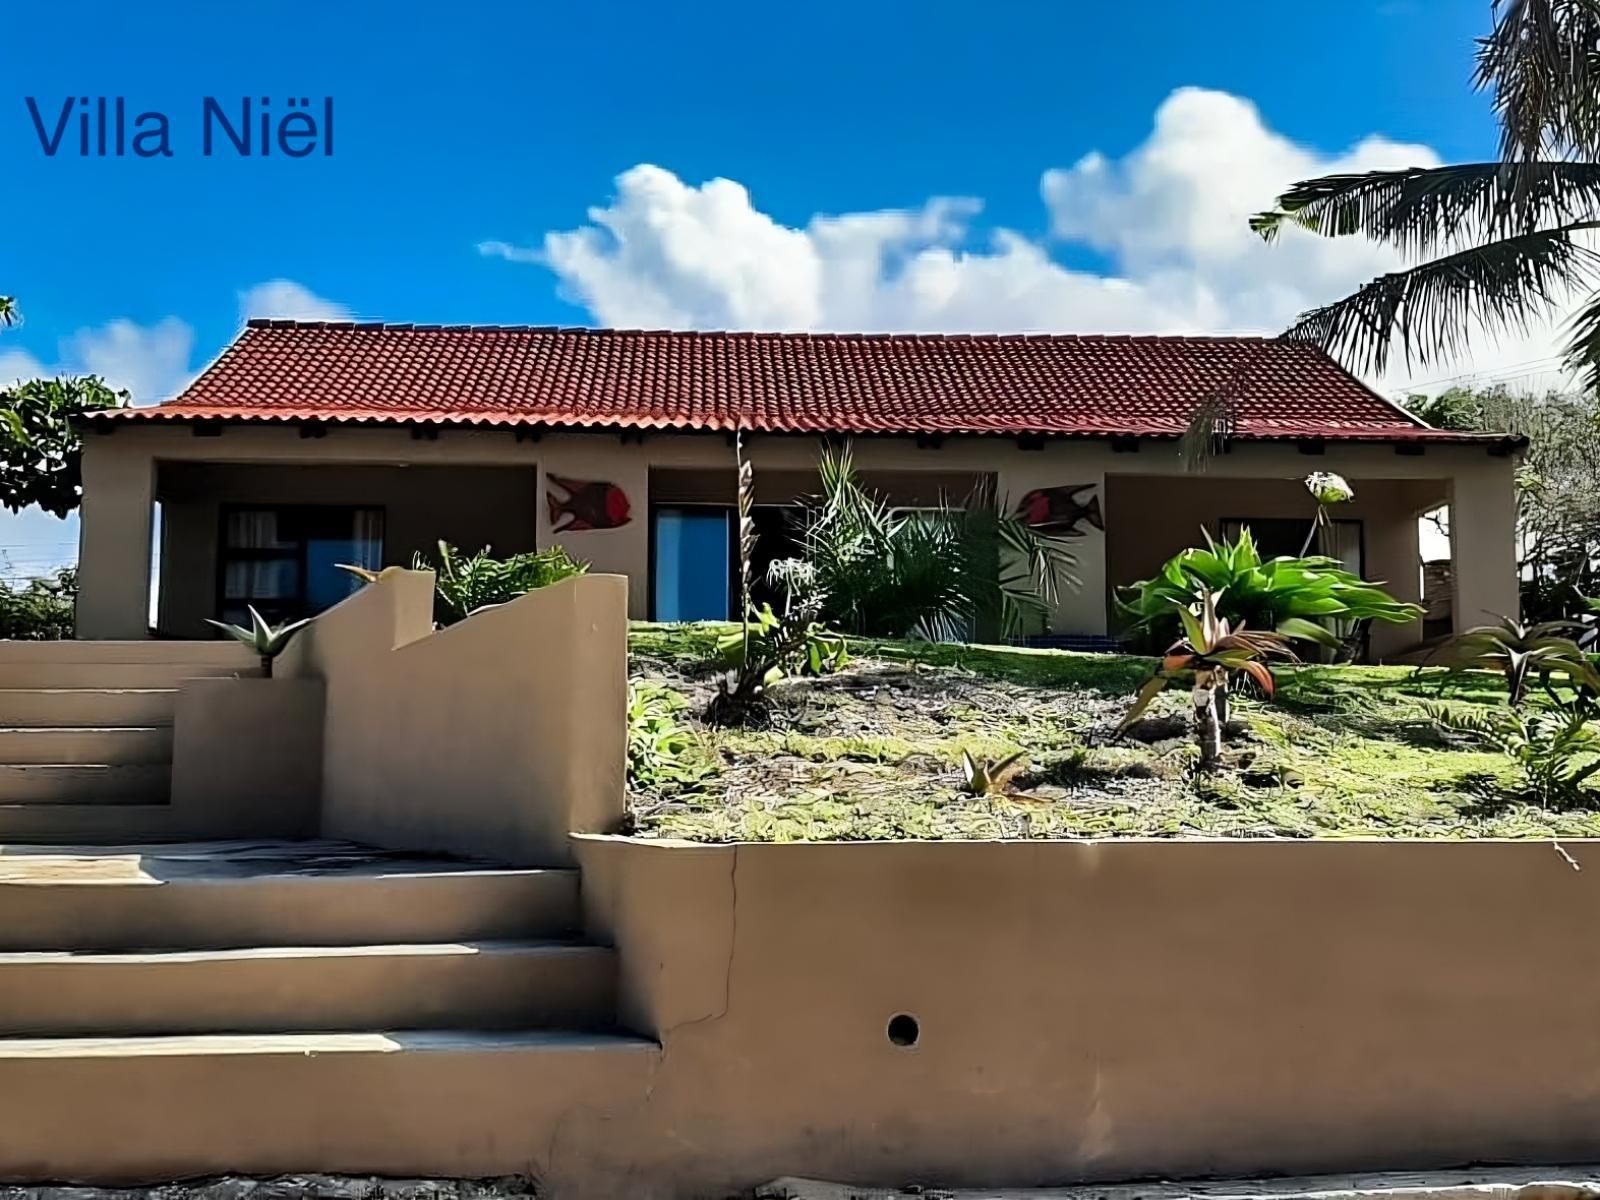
(211, 860)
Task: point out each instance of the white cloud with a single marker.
(155, 362)
(287, 300)
(1170, 217)
(149, 361)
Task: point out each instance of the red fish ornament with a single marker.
(588, 504)
(1059, 512)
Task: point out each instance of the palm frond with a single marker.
(1541, 65)
(1582, 354)
(1422, 209)
(1435, 307)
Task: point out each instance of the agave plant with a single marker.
(266, 640)
(1289, 596)
(1523, 653)
(1212, 648)
(980, 777)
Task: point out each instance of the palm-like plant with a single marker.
(966, 569)
(1495, 244)
(8, 311)
(1523, 653)
(1211, 647)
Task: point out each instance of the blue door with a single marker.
(693, 568)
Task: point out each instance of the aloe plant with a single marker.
(265, 639)
(979, 777)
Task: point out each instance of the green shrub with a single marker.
(41, 609)
(1555, 747)
(967, 570)
(663, 753)
(1291, 596)
(466, 584)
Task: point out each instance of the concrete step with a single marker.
(91, 824)
(219, 895)
(83, 784)
(221, 653)
(424, 1104)
(71, 673)
(450, 985)
(103, 707)
(86, 746)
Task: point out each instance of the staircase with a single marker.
(86, 733)
(167, 1011)
(171, 1009)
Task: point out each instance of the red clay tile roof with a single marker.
(1072, 385)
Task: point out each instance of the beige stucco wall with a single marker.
(1094, 1010)
(120, 467)
(247, 757)
(493, 737)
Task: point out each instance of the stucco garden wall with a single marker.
(493, 737)
(1095, 1010)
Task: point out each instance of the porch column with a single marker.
(114, 540)
(1483, 543)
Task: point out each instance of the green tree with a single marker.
(41, 454)
(1495, 245)
(8, 311)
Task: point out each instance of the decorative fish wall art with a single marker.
(586, 504)
(1061, 512)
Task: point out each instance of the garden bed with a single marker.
(874, 752)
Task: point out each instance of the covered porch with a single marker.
(180, 526)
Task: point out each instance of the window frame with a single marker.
(299, 605)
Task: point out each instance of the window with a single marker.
(693, 562)
(284, 560)
(694, 566)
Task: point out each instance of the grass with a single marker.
(874, 753)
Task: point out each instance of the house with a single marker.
(306, 445)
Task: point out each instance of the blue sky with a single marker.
(885, 165)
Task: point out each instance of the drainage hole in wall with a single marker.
(904, 1030)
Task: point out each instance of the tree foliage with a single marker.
(41, 459)
(39, 609)
(1494, 245)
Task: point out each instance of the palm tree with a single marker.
(8, 311)
(1497, 244)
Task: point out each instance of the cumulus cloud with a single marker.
(151, 362)
(284, 299)
(1169, 218)
(156, 362)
